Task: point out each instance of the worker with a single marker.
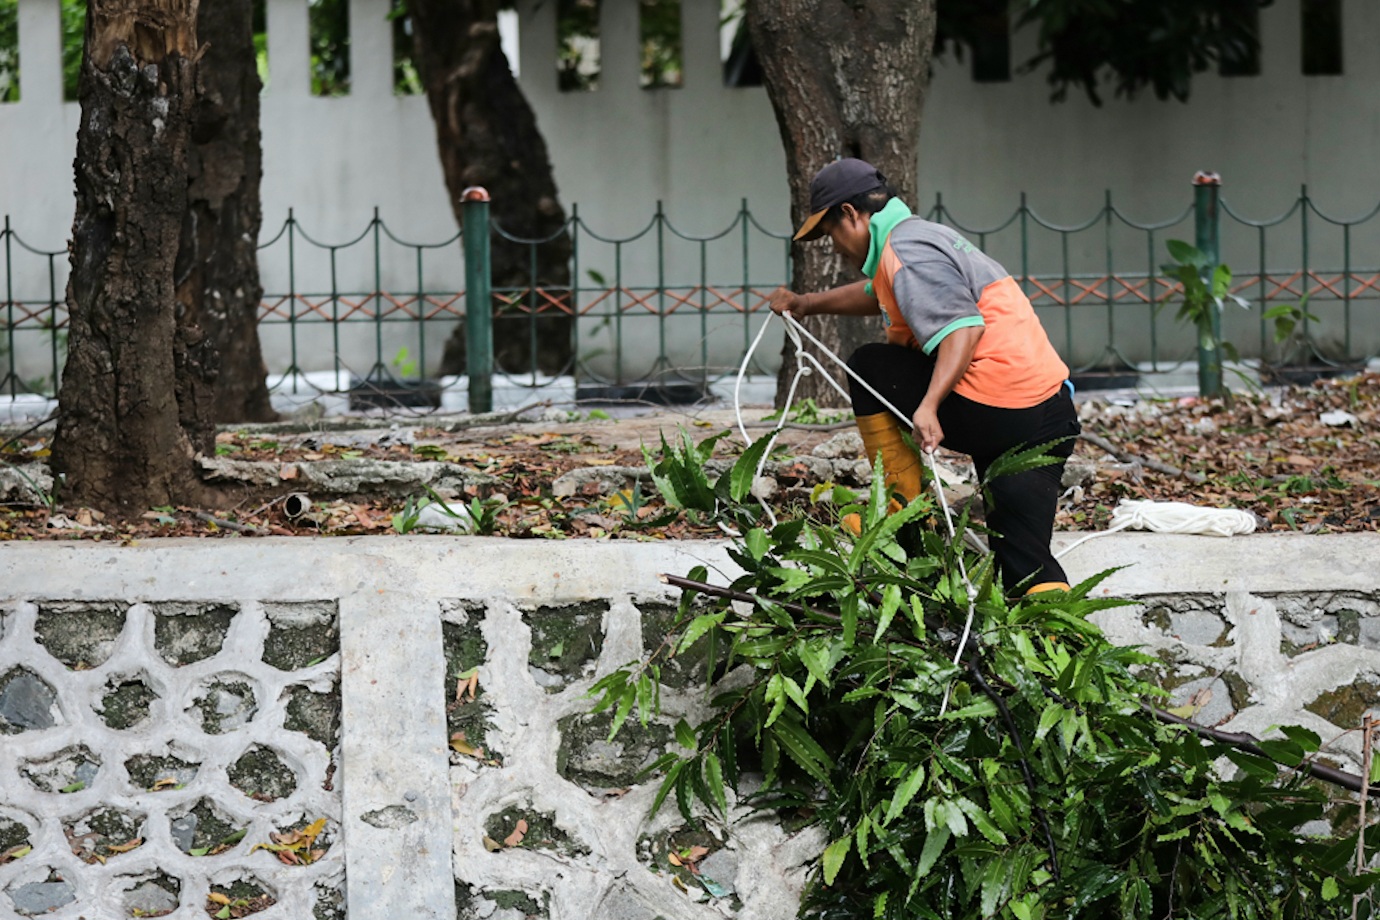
(965, 356)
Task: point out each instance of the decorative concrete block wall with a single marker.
(426, 697)
(151, 747)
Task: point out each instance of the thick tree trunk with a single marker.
(134, 403)
(846, 79)
(217, 266)
(487, 135)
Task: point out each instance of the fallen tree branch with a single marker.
(228, 525)
(971, 665)
(1242, 742)
(1251, 745)
(1126, 456)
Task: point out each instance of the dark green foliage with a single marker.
(1131, 44)
(9, 51)
(1045, 790)
(329, 24)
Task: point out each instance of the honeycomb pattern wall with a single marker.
(170, 759)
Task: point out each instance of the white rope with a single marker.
(1172, 517)
(795, 330)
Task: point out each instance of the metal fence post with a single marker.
(479, 325)
(1207, 188)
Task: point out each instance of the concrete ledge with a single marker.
(1259, 563)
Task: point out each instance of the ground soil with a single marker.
(1301, 458)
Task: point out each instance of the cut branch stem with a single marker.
(1126, 456)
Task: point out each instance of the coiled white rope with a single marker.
(796, 331)
(1172, 517)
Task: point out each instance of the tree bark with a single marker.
(134, 403)
(217, 266)
(487, 135)
(846, 79)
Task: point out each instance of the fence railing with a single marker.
(666, 305)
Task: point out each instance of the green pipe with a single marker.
(1207, 188)
(479, 320)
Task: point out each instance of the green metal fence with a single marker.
(666, 305)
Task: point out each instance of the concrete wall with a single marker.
(704, 148)
(350, 661)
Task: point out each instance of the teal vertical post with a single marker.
(1207, 188)
(10, 376)
(479, 311)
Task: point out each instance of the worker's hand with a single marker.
(928, 433)
(784, 300)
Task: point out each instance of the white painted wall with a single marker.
(702, 149)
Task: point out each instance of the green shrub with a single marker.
(1029, 780)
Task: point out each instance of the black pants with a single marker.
(1022, 507)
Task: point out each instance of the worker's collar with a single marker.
(880, 226)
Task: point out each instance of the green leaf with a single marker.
(796, 694)
(934, 847)
(803, 749)
(1285, 752)
(1017, 460)
(757, 543)
(1186, 253)
(995, 883)
(685, 735)
(1048, 719)
(904, 793)
(625, 705)
(981, 821)
(698, 627)
(980, 708)
(775, 694)
(950, 813)
(744, 471)
(1329, 889)
(714, 779)
(1303, 737)
(834, 855)
(891, 602)
(819, 657)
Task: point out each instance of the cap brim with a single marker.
(811, 230)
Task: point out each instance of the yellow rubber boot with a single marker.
(881, 433)
(1048, 586)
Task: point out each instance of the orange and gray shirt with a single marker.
(930, 281)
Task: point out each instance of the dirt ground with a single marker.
(1305, 459)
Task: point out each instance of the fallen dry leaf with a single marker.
(518, 833)
(458, 743)
(15, 852)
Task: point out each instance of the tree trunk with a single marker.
(487, 135)
(134, 403)
(846, 79)
(217, 266)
